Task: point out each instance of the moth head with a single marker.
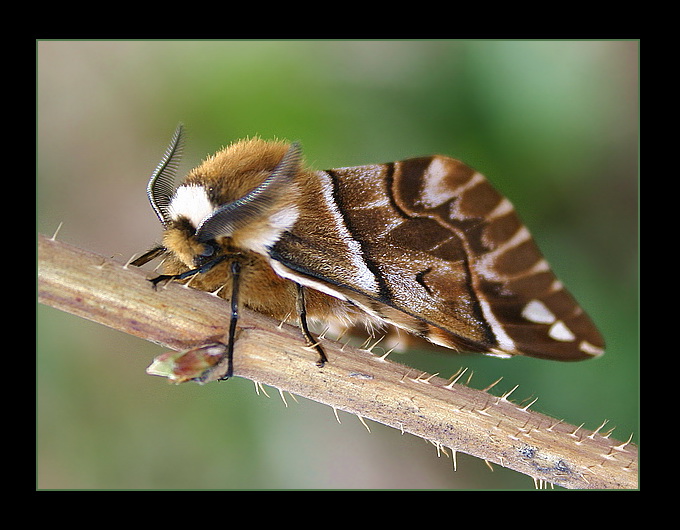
(241, 198)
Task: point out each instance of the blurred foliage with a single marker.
(553, 124)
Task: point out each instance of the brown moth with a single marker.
(425, 244)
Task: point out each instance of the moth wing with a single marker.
(429, 245)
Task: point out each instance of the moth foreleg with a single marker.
(188, 274)
(302, 315)
(148, 256)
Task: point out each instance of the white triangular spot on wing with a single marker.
(535, 311)
(559, 331)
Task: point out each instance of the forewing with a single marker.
(431, 238)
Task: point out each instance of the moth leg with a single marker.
(167, 277)
(302, 314)
(199, 270)
(235, 277)
(148, 256)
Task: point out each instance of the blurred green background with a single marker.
(553, 124)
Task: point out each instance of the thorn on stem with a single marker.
(54, 237)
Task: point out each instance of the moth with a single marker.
(425, 244)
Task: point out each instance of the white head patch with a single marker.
(191, 202)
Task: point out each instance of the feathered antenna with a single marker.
(161, 185)
(226, 219)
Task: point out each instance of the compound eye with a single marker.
(208, 250)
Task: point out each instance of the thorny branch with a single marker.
(449, 414)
